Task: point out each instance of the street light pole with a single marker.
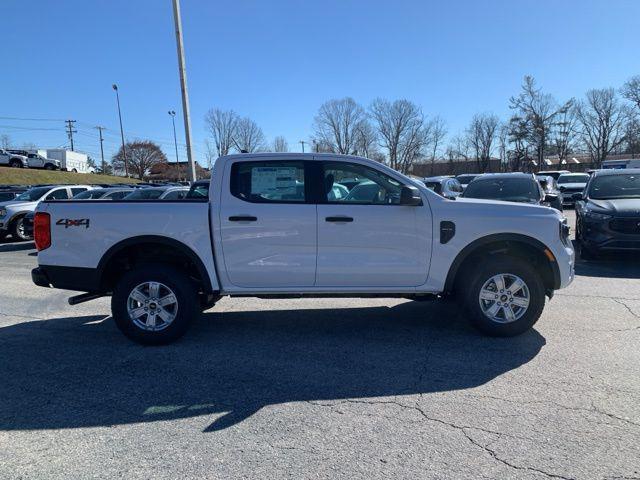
(124, 148)
(183, 86)
(175, 139)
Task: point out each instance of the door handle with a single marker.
(243, 218)
(338, 219)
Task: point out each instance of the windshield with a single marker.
(33, 194)
(465, 179)
(145, 194)
(510, 190)
(609, 187)
(578, 178)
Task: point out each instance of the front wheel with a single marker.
(18, 231)
(154, 304)
(15, 164)
(48, 166)
(505, 297)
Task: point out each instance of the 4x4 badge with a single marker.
(67, 222)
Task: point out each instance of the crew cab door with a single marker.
(268, 224)
(366, 238)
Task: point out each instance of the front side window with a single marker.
(117, 195)
(268, 182)
(371, 187)
(76, 191)
(174, 195)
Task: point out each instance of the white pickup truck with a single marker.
(283, 225)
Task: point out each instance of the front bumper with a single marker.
(605, 235)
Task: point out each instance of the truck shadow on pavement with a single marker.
(81, 372)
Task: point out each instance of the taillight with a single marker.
(42, 230)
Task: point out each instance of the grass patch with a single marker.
(28, 176)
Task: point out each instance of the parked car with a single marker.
(446, 186)
(552, 173)
(36, 160)
(570, 183)
(466, 178)
(199, 189)
(509, 187)
(10, 193)
(264, 236)
(9, 159)
(103, 194)
(608, 213)
(12, 212)
(622, 164)
(158, 193)
(550, 187)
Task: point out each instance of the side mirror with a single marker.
(410, 195)
(577, 196)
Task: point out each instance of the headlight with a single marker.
(590, 214)
(3, 212)
(564, 232)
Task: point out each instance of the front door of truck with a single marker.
(365, 237)
(268, 224)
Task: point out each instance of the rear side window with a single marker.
(58, 195)
(118, 195)
(174, 195)
(75, 191)
(268, 182)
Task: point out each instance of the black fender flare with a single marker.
(500, 237)
(161, 240)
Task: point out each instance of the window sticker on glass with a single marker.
(265, 180)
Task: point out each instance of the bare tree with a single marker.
(366, 140)
(482, 134)
(400, 125)
(503, 146)
(538, 112)
(603, 119)
(565, 131)
(437, 130)
(336, 124)
(631, 91)
(519, 153)
(5, 141)
(457, 151)
(141, 156)
(222, 125)
(210, 154)
(632, 136)
(248, 136)
(280, 144)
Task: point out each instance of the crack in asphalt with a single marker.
(593, 409)
(461, 428)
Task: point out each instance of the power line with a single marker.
(33, 119)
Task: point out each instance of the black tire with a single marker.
(504, 265)
(15, 163)
(17, 230)
(181, 286)
(49, 166)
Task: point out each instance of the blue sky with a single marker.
(278, 60)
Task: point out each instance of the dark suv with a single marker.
(608, 213)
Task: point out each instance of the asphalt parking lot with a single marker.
(327, 388)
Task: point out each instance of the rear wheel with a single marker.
(15, 163)
(154, 304)
(505, 297)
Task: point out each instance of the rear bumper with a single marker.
(66, 278)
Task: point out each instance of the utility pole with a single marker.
(302, 142)
(183, 86)
(124, 148)
(70, 131)
(175, 141)
(100, 129)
